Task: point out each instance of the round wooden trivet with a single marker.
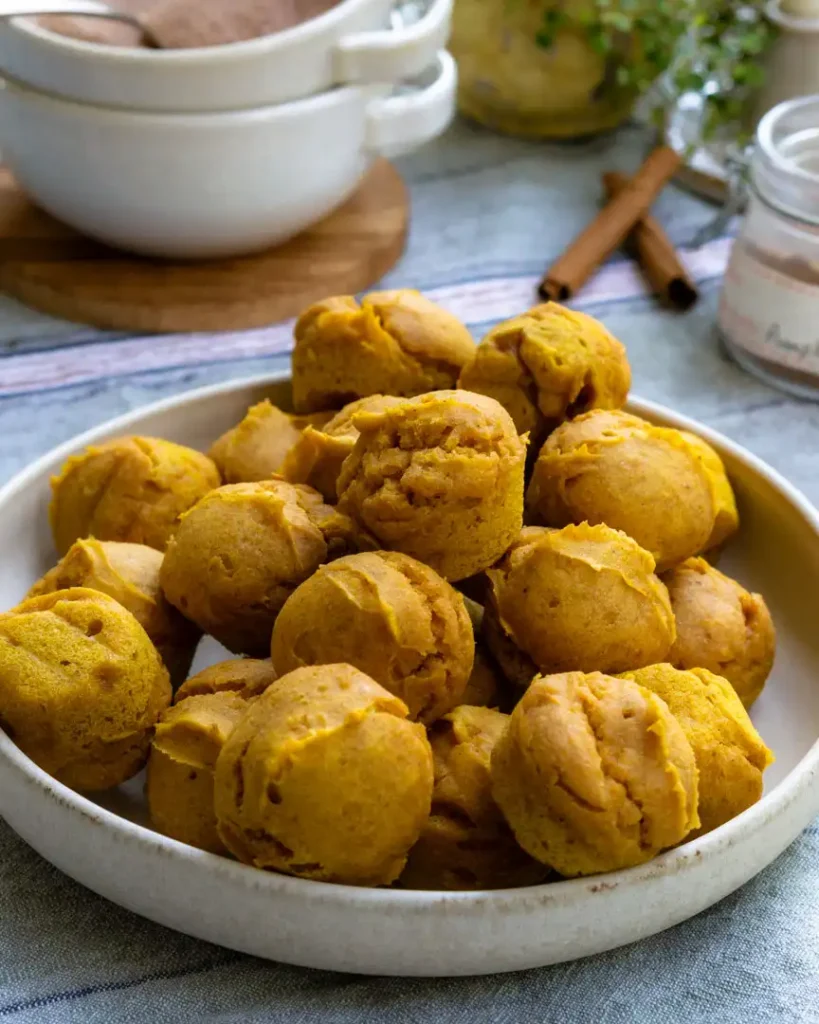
(53, 268)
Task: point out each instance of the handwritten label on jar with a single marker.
(770, 313)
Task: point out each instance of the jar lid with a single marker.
(785, 164)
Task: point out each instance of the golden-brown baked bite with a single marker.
(515, 664)
(391, 617)
(614, 468)
(179, 782)
(246, 677)
(130, 574)
(594, 774)
(392, 343)
(466, 843)
(726, 522)
(240, 552)
(81, 686)
(324, 777)
(258, 445)
(582, 598)
(547, 365)
(438, 477)
(316, 459)
(486, 687)
(130, 489)
(731, 755)
(721, 627)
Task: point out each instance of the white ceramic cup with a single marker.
(351, 43)
(207, 185)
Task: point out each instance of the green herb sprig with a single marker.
(708, 46)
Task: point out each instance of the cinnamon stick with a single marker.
(610, 227)
(656, 254)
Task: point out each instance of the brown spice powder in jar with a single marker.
(798, 269)
(769, 307)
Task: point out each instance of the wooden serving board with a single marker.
(55, 269)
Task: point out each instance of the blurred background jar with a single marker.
(561, 69)
(769, 308)
(792, 63)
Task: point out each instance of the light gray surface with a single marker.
(485, 208)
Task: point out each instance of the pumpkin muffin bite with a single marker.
(259, 444)
(650, 482)
(438, 477)
(582, 598)
(247, 677)
(242, 550)
(81, 686)
(391, 617)
(391, 343)
(730, 754)
(316, 459)
(131, 489)
(130, 574)
(466, 842)
(325, 778)
(547, 365)
(179, 782)
(594, 774)
(721, 627)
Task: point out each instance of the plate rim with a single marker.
(671, 862)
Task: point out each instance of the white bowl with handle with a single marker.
(350, 44)
(211, 185)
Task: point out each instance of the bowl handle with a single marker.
(387, 55)
(404, 121)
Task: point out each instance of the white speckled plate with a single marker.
(106, 846)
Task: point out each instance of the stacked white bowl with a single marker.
(221, 150)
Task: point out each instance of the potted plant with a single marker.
(569, 68)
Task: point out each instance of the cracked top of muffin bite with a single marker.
(438, 477)
(594, 774)
(389, 615)
(392, 343)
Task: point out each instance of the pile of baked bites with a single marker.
(480, 639)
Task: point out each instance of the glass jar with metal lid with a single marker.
(769, 309)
